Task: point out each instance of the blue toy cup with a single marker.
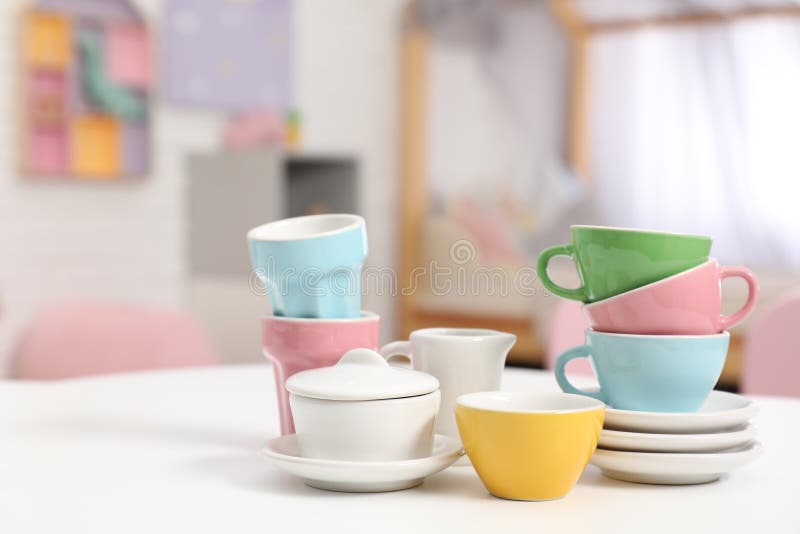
(311, 266)
(649, 373)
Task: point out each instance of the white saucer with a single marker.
(362, 477)
(717, 441)
(721, 411)
(673, 468)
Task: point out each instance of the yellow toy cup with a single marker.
(529, 446)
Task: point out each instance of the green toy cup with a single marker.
(611, 261)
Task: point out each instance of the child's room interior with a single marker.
(497, 187)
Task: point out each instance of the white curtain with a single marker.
(497, 98)
(697, 129)
(498, 80)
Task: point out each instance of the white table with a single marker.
(179, 452)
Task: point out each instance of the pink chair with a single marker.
(82, 338)
(771, 363)
(567, 329)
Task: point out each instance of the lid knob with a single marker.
(363, 357)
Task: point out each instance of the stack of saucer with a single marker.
(658, 344)
(678, 448)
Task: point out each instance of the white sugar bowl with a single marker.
(361, 409)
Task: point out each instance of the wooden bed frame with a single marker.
(413, 190)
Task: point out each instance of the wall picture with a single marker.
(86, 78)
(209, 51)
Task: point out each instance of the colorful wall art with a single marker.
(228, 55)
(86, 76)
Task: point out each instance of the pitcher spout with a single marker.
(503, 342)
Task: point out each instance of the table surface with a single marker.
(179, 450)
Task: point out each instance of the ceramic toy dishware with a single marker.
(311, 266)
(720, 411)
(362, 477)
(649, 373)
(529, 446)
(674, 468)
(611, 261)
(364, 410)
(689, 302)
(711, 442)
(294, 345)
(464, 360)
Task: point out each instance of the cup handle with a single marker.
(396, 349)
(560, 371)
(578, 293)
(729, 321)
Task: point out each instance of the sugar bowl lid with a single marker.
(361, 374)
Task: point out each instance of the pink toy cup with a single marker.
(687, 303)
(294, 345)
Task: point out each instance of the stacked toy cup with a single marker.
(311, 271)
(658, 338)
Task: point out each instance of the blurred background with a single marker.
(141, 139)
